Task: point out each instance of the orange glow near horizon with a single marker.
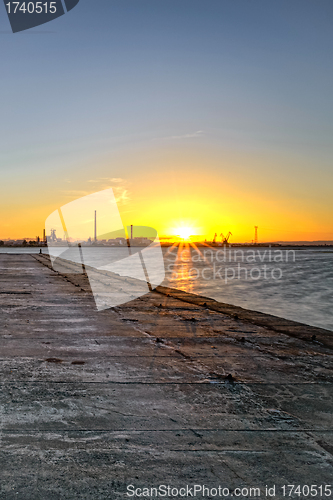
(189, 194)
(184, 233)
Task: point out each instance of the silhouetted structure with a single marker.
(225, 239)
(255, 235)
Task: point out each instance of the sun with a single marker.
(184, 232)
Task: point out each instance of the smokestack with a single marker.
(95, 238)
(131, 231)
(44, 236)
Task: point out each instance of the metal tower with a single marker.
(255, 235)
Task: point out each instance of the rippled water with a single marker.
(297, 285)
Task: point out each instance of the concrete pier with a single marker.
(169, 389)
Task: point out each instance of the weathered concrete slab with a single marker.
(281, 325)
(167, 389)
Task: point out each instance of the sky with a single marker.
(214, 115)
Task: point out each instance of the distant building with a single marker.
(121, 241)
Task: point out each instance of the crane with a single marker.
(225, 239)
(214, 239)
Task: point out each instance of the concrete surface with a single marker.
(168, 389)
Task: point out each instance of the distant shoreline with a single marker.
(197, 244)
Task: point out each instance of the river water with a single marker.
(293, 283)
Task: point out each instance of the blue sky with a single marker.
(251, 77)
